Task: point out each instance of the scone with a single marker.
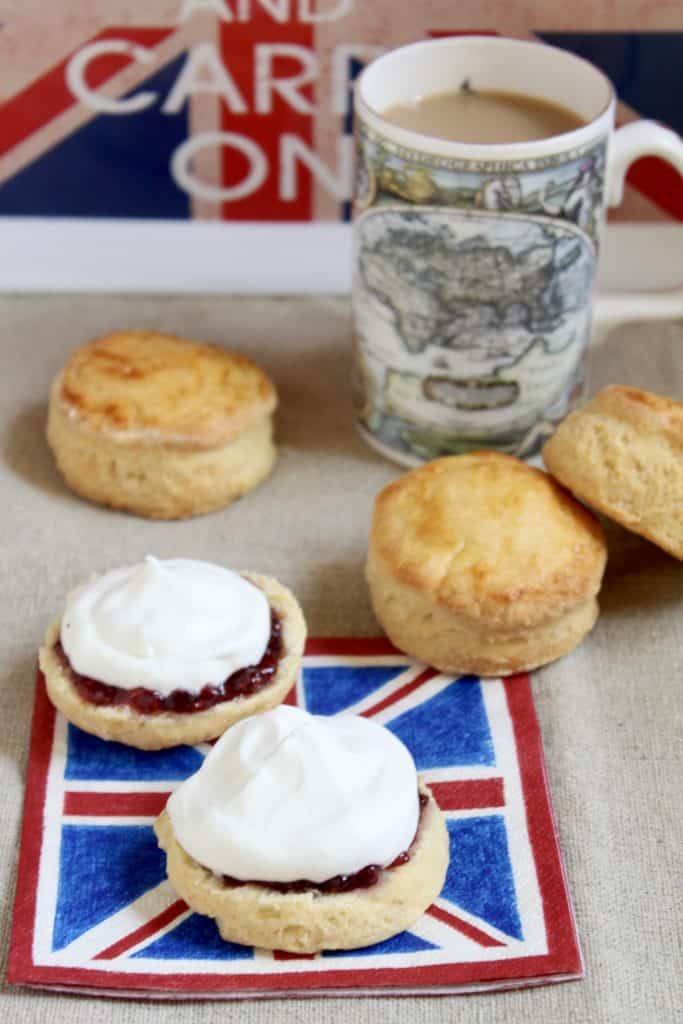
(165, 653)
(304, 833)
(623, 454)
(479, 563)
(160, 426)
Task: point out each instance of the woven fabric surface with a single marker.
(610, 713)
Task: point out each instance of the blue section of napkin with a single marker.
(448, 729)
(480, 877)
(102, 868)
(332, 688)
(91, 758)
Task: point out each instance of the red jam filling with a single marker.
(363, 879)
(148, 702)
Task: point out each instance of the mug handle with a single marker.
(641, 138)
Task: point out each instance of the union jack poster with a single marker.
(241, 110)
(94, 911)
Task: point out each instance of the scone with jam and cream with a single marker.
(303, 833)
(170, 652)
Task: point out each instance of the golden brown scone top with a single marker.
(643, 409)
(156, 388)
(490, 538)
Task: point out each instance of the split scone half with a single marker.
(160, 426)
(303, 833)
(623, 454)
(481, 564)
(168, 653)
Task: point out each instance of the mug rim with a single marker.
(497, 151)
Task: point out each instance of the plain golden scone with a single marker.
(124, 724)
(160, 426)
(623, 454)
(310, 921)
(479, 563)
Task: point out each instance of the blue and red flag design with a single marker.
(95, 912)
(241, 109)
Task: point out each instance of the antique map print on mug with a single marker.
(471, 306)
(94, 911)
(468, 311)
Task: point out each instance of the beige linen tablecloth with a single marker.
(610, 713)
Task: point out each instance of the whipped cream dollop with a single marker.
(286, 795)
(165, 625)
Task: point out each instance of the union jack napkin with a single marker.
(94, 911)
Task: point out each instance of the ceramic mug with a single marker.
(474, 265)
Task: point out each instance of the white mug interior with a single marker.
(533, 69)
